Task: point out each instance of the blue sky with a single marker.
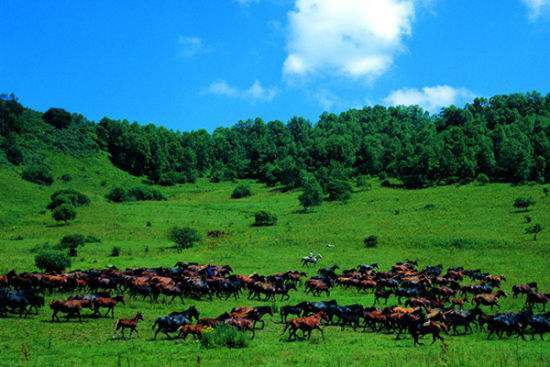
(208, 63)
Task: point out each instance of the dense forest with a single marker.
(502, 139)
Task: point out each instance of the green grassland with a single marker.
(491, 233)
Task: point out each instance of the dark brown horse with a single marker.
(123, 324)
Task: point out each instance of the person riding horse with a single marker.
(311, 259)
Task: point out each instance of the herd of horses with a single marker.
(429, 301)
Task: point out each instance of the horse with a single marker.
(69, 308)
(172, 322)
(306, 325)
(488, 299)
(131, 324)
(311, 259)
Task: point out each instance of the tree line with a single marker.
(500, 139)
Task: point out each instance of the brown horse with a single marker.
(123, 324)
(418, 330)
(306, 325)
(534, 298)
(195, 330)
(69, 308)
(107, 302)
(488, 299)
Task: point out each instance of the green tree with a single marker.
(534, 230)
(264, 218)
(312, 194)
(523, 203)
(52, 261)
(38, 173)
(241, 191)
(184, 237)
(57, 117)
(64, 213)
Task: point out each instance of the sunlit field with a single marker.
(411, 224)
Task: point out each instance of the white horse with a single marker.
(311, 259)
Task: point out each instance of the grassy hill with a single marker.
(470, 225)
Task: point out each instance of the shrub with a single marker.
(545, 191)
(115, 251)
(371, 241)
(38, 173)
(171, 178)
(138, 193)
(144, 193)
(68, 196)
(429, 207)
(91, 239)
(224, 336)
(64, 213)
(72, 240)
(52, 261)
(483, 179)
(184, 237)
(523, 203)
(241, 191)
(338, 189)
(534, 230)
(117, 195)
(57, 117)
(265, 218)
(66, 177)
(312, 194)
(13, 150)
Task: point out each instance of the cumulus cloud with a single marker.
(256, 91)
(352, 38)
(431, 99)
(190, 47)
(537, 7)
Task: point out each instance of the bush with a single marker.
(371, 241)
(224, 336)
(184, 237)
(57, 117)
(338, 189)
(171, 178)
(312, 194)
(144, 193)
(265, 218)
(138, 193)
(534, 230)
(483, 179)
(68, 196)
(523, 203)
(115, 251)
(66, 177)
(241, 191)
(72, 240)
(117, 195)
(12, 150)
(52, 261)
(91, 239)
(64, 213)
(38, 173)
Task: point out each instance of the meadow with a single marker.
(470, 225)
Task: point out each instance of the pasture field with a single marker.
(427, 226)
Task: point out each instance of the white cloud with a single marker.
(256, 91)
(353, 38)
(190, 47)
(431, 99)
(536, 7)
